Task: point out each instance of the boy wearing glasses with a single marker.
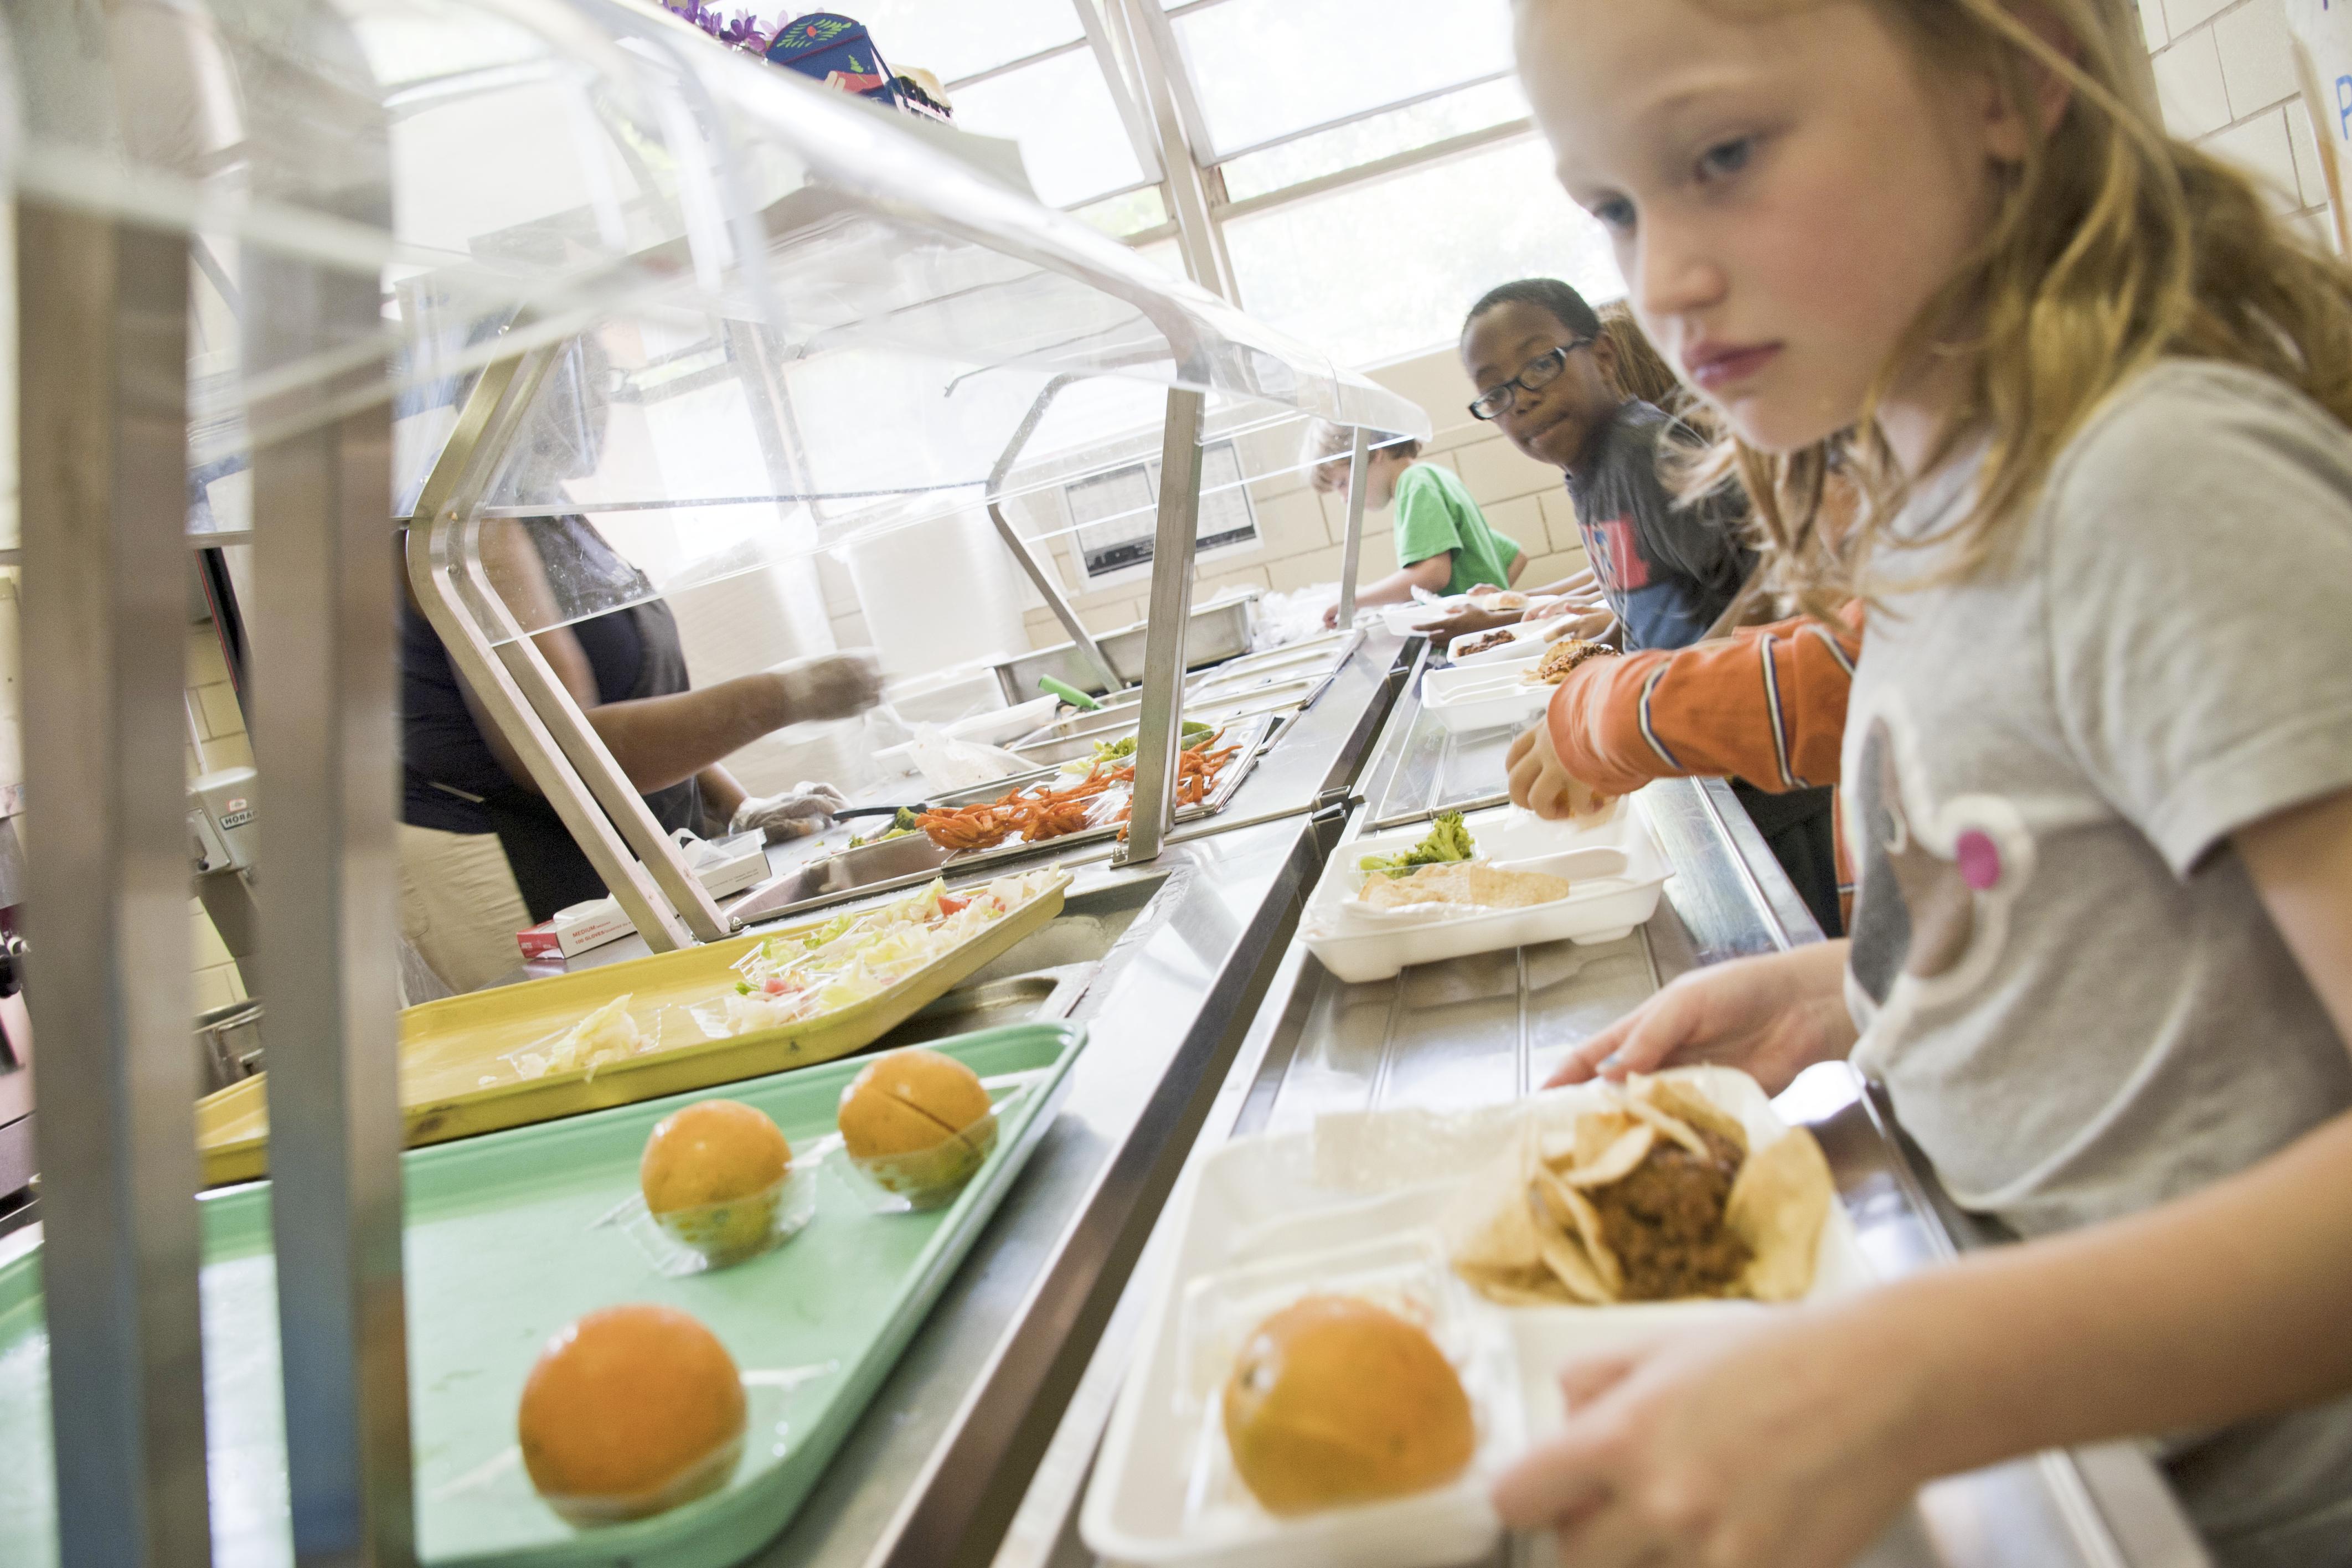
(1543, 369)
(1766, 706)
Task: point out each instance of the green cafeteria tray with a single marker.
(502, 1250)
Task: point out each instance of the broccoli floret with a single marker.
(1448, 839)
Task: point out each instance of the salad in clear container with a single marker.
(797, 975)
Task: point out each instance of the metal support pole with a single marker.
(584, 749)
(1174, 544)
(327, 743)
(102, 313)
(1043, 580)
(433, 569)
(1351, 547)
(566, 759)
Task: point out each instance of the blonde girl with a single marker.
(2097, 759)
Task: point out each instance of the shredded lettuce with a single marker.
(851, 958)
(1120, 750)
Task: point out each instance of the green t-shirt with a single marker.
(1435, 514)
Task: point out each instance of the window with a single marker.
(1118, 513)
(1386, 267)
(1061, 111)
(1360, 142)
(954, 39)
(1026, 70)
(1262, 70)
(1369, 167)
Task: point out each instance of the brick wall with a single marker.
(2226, 79)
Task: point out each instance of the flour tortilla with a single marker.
(1616, 1162)
(1683, 1103)
(1574, 1219)
(1778, 1204)
(1523, 1232)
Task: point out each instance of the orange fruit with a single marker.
(917, 1124)
(629, 1411)
(909, 1101)
(713, 1152)
(1336, 1401)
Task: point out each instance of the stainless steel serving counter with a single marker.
(1177, 955)
(1474, 1030)
(1208, 1021)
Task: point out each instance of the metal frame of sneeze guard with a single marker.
(567, 758)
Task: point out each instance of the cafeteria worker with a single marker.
(482, 853)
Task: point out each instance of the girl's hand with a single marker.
(1772, 1016)
(1776, 1446)
(1541, 784)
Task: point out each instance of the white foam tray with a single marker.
(1597, 909)
(1403, 620)
(1526, 637)
(1484, 696)
(1355, 1180)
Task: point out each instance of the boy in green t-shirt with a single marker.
(1442, 541)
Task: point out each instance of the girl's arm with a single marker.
(1810, 1431)
(1511, 574)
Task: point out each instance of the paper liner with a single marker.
(707, 1475)
(719, 1236)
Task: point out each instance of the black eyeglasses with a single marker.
(1537, 372)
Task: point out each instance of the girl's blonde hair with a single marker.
(1640, 370)
(2113, 245)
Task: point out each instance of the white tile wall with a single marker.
(2183, 14)
(2225, 75)
(2260, 146)
(2257, 65)
(2188, 84)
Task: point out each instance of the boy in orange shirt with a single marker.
(1766, 704)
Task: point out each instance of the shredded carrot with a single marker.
(1045, 813)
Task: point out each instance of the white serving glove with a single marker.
(831, 685)
(806, 808)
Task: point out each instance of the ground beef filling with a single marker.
(1664, 1222)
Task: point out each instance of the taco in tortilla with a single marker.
(1645, 1193)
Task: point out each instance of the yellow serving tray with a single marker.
(448, 1049)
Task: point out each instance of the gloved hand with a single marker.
(795, 813)
(831, 685)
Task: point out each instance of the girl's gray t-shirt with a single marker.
(2064, 976)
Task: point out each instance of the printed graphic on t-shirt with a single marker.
(1936, 882)
(1616, 559)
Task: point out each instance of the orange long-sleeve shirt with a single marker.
(1766, 704)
